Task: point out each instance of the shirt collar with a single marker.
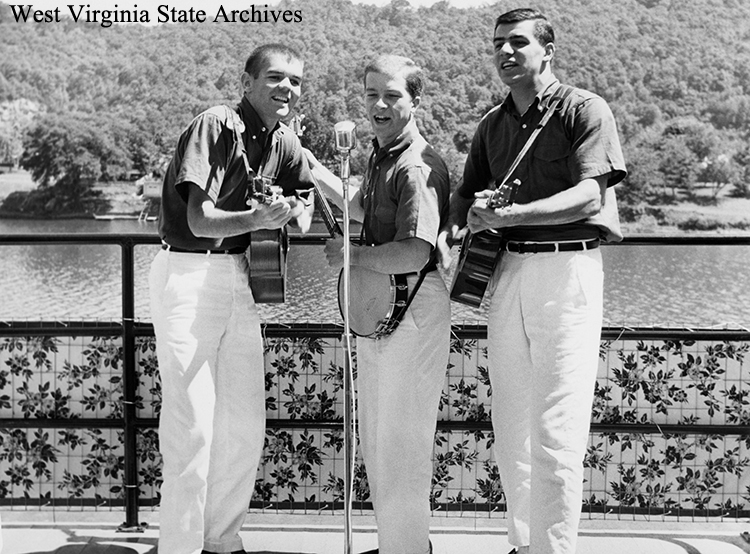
(540, 102)
(256, 128)
(400, 143)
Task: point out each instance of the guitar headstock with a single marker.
(504, 195)
(262, 191)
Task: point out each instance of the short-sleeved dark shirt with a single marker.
(405, 191)
(579, 142)
(209, 156)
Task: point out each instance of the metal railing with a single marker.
(128, 329)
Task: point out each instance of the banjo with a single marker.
(378, 301)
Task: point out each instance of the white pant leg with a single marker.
(558, 300)
(239, 421)
(509, 369)
(399, 381)
(193, 308)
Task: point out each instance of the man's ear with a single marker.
(549, 51)
(247, 82)
(415, 103)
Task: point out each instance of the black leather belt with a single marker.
(236, 250)
(535, 247)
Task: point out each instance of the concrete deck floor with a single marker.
(97, 533)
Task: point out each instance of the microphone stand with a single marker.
(350, 445)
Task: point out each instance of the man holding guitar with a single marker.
(545, 316)
(402, 203)
(218, 192)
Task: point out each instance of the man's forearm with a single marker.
(404, 256)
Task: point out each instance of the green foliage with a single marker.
(132, 88)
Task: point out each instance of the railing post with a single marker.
(129, 386)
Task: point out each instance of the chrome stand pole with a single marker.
(344, 143)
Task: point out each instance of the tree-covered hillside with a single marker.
(676, 73)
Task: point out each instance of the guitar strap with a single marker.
(560, 94)
(236, 122)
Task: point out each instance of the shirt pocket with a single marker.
(552, 150)
(549, 166)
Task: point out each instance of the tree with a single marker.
(679, 165)
(15, 117)
(741, 188)
(74, 150)
(720, 172)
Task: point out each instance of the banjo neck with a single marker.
(324, 208)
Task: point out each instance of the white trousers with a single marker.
(544, 331)
(212, 422)
(399, 381)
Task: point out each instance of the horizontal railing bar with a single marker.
(73, 423)
(620, 428)
(470, 426)
(334, 330)
(60, 328)
(317, 238)
(683, 240)
(16, 239)
(674, 333)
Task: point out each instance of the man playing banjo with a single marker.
(402, 204)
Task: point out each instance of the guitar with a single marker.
(268, 248)
(377, 301)
(267, 251)
(480, 253)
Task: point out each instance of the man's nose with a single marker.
(505, 48)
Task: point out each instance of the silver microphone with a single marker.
(345, 135)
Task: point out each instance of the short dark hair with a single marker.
(543, 30)
(393, 65)
(262, 54)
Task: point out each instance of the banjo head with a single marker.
(372, 300)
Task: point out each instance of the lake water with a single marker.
(679, 286)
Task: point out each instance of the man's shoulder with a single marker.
(285, 133)
(578, 95)
(218, 115)
(421, 153)
(493, 113)
(288, 141)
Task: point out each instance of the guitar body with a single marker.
(479, 256)
(266, 255)
(377, 301)
(480, 253)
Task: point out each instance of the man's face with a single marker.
(519, 57)
(277, 88)
(389, 105)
